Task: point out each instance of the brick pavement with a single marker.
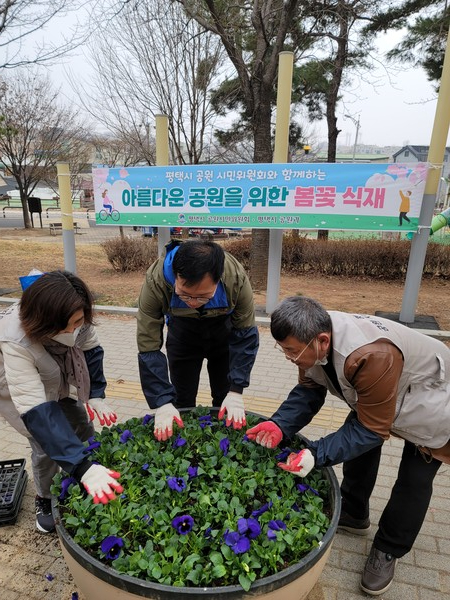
(424, 574)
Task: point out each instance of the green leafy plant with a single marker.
(205, 508)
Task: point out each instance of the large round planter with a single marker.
(98, 581)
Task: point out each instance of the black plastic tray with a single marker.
(9, 517)
(11, 473)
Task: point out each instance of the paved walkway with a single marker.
(424, 574)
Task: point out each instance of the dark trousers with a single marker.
(402, 216)
(189, 343)
(410, 497)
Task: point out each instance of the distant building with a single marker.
(364, 153)
(420, 154)
(348, 158)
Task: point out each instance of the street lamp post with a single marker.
(356, 122)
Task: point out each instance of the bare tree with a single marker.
(253, 33)
(36, 132)
(21, 20)
(122, 150)
(150, 59)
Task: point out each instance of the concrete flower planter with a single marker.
(98, 581)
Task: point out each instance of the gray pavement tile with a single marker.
(443, 545)
(417, 575)
(445, 583)
(398, 591)
(425, 594)
(430, 560)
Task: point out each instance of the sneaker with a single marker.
(44, 519)
(356, 526)
(378, 572)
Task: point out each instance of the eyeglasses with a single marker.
(193, 299)
(289, 356)
(200, 300)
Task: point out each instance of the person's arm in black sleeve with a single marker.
(243, 344)
(302, 404)
(349, 441)
(94, 360)
(48, 425)
(155, 382)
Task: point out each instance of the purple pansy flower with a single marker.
(245, 439)
(205, 421)
(249, 527)
(274, 526)
(282, 456)
(277, 525)
(224, 445)
(92, 445)
(260, 511)
(146, 419)
(208, 533)
(238, 543)
(126, 435)
(179, 441)
(145, 467)
(65, 484)
(177, 484)
(183, 524)
(111, 546)
(192, 472)
(304, 487)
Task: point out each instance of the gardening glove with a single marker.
(98, 407)
(100, 483)
(164, 416)
(233, 405)
(266, 434)
(299, 463)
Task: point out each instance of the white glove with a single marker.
(101, 482)
(98, 407)
(164, 416)
(299, 463)
(234, 407)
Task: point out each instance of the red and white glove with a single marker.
(299, 463)
(97, 407)
(266, 434)
(164, 417)
(233, 405)
(101, 483)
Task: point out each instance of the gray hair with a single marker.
(300, 317)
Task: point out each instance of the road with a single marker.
(11, 218)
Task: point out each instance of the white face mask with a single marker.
(320, 362)
(68, 339)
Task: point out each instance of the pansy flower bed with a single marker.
(206, 508)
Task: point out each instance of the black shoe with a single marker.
(44, 518)
(356, 526)
(378, 572)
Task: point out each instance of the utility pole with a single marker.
(356, 122)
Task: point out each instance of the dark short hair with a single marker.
(197, 258)
(300, 317)
(48, 303)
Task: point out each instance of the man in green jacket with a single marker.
(204, 296)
